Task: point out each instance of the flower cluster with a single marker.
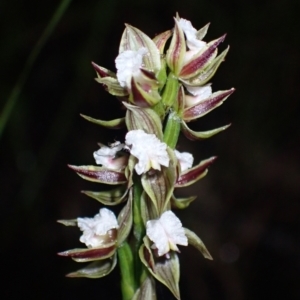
(161, 90)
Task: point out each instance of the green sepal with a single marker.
(170, 91)
(112, 124)
(126, 262)
(125, 221)
(165, 270)
(96, 269)
(179, 104)
(112, 85)
(182, 203)
(208, 72)
(103, 72)
(148, 210)
(162, 75)
(172, 129)
(134, 39)
(142, 98)
(91, 254)
(100, 174)
(161, 39)
(177, 50)
(112, 197)
(194, 174)
(195, 241)
(201, 33)
(200, 135)
(159, 185)
(143, 118)
(71, 222)
(147, 290)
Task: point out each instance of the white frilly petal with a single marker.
(191, 35)
(185, 159)
(106, 156)
(149, 150)
(166, 233)
(128, 64)
(94, 228)
(199, 93)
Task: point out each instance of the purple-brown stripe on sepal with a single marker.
(194, 174)
(191, 68)
(99, 174)
(85, 255)
(205, 106)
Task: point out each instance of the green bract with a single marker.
(161, 90)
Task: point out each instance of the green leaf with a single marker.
(100, 174)
(182, 203)
(113, 197)
(165, 270)
(195, 241)
(200, 135)
(112, 124)
(125, 220)
(96, 269)
(147, 290)
(143, 118)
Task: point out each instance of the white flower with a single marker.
(191, 35)
(185, 159)
(149, 150)
(128, 64)
(95, 229)
(166, 232)
(106, 156)
(198, 94)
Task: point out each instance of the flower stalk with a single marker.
(162, 91)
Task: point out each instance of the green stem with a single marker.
(172, 130)
(12, 100)
(126, 263)
(139, 228)
(170, 92)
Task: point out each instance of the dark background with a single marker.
(247, 211)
